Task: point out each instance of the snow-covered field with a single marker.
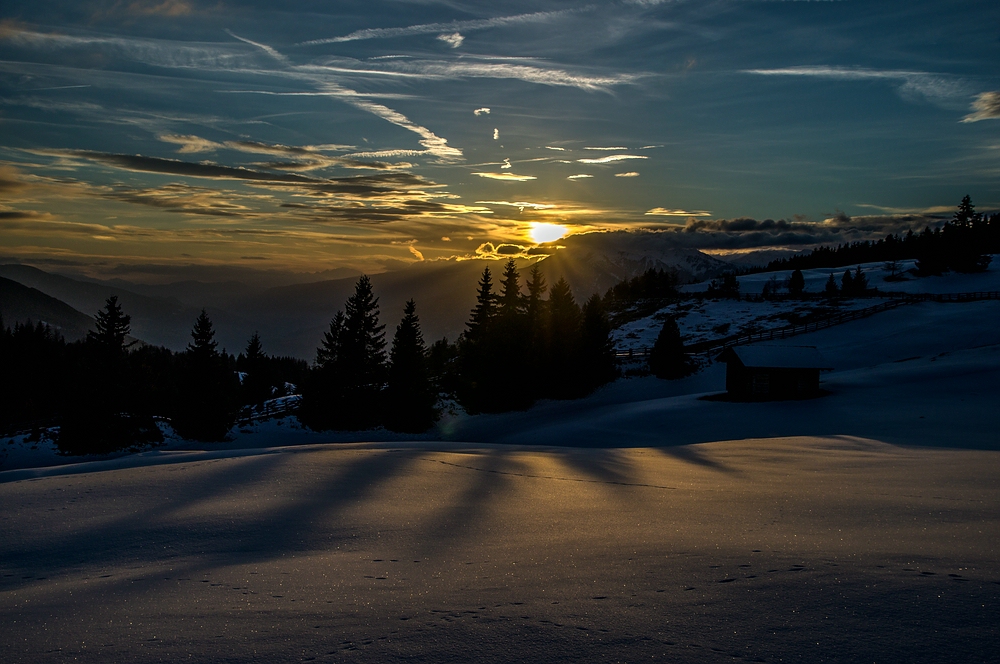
(712, 319)
(639, 524)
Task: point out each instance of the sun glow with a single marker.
(542, 232)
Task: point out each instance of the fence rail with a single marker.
(712, 345)
(270, 408)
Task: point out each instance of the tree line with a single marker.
(105, 391)
(963, 244)
(518, 346)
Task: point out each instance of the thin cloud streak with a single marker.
(435, 28)
(937, 87)
(611, 158)
(507, 177)
(665, 212)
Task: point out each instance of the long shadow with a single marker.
(291, 527)
(111, 539)
(601, 465)
(490, 480)
(689, 454)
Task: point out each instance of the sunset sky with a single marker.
(149, 135)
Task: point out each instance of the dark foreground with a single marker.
(787, 550)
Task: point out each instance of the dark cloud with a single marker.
(19, 215)
(745, 232)
(362, 186)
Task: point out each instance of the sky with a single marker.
(138, 137)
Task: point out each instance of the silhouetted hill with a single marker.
(20, 303)
(291, 319)
(160, 321)
(593, 262)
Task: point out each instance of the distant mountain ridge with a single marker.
(291, 319)
(20, 304)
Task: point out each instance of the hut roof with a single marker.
(777, 357)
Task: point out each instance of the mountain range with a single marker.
(292, 318)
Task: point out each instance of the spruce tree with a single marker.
(203, 337)
(847, 284)
(410, 396)
(98, 418)
(112, 327)
(485, 309)
(860, 282)
(329, 351)
(535, 317)
(966, 214)
(510, 300)
(597, 350)
(796, 283)
(667, 358)
(831, 290)
(345, 389)
(256, 387)
(563, 342)
(209, 389)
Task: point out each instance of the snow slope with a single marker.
(860, 526)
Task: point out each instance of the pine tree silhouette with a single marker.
(256, 386)
(796, 283)
(860, 282)
(831, 290)
(847, 284)
(329, 351)
(101, 417)
(345, 389)
(597, 350)
(203, 336)
(112, 327)
(535, 312)
(510, 300)
(563, 343)
(410, 397)
(485, 309)
(209, 389)
(965, 215)
(667, 358)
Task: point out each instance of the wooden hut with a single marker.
(764, 373)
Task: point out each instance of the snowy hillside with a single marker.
(711, 319)
(927, 369)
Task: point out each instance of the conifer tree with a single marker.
(534, 304)
(410, 396)
(209, 389)
(831, 290)
(97, 418)
(256, 387)
(847, 284)
(510, 300)
(535, 316)
(112, 327)
(860, 282)
(363, 340)
(597, 350)
(203, 337)
(329, 351)
(345, 389)
(966, 214)
(667, 358)
(563, 342)
(796, 283)
(485, 309)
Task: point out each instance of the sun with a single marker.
(541, 232)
